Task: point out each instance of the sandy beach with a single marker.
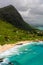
(8, 46)
(10, 49)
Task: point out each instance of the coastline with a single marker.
(9, 46)
(9, 49)
(14, 49)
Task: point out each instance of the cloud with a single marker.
(4, 3)
(37, 10)
(31, 10)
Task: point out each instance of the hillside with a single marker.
(10, 34)
(11, 15)
(13, 28)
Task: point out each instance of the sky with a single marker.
(30, 10)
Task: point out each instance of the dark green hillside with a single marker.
(11, 15)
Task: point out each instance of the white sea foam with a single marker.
(14, 50)
(26, 49)
(6, 60)
(40, 42)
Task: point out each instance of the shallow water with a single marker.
(31, 54)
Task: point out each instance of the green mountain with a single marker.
(11, 15)
(12, 26)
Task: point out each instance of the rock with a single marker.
(10, 63)
(20, 44)
(1, 60)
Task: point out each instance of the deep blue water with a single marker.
(31, 54)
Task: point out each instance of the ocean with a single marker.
(30, 54)
(40, 28)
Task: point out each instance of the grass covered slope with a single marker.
(10, 34)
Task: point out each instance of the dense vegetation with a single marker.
(11, 34)
(13, 28)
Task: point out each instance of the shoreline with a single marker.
(9, 46)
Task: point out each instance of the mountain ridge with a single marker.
(11, 15)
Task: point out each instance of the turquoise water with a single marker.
(40, 28)
(31, 54)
